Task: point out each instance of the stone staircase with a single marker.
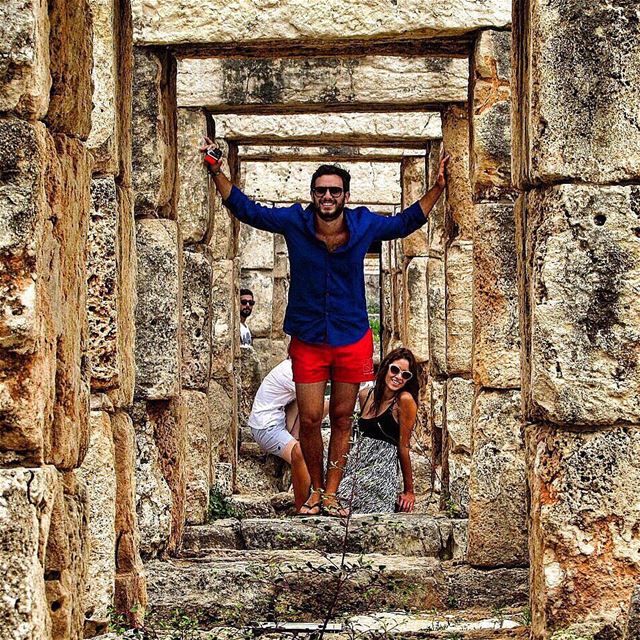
(267, 573)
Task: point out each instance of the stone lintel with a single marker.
(362, 128)
(398, 82)
(157, 22)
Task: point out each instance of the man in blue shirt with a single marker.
(326, 312)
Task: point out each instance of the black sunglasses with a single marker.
(334, 191)
(395, 370)
(249, 302)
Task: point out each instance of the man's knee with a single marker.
(341, 422)
(310, 421)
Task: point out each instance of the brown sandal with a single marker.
(311, 509)
(332, 507)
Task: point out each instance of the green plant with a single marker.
(118, 622)
(374, 323)
(452, 602)
(525, 616)
(220, 506)
(451, 508)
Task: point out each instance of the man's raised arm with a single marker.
(429, 199)
(223, 184)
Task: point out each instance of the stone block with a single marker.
(124, 90)
(582, 279)
(159, 309)
(223, 412)
(196, 321)
(583, 523)
(498, 485)
(281, 257)
(346, 152)
(99, 475)
(188, 21)
(225, 334)
(337, 128)
(496, 337)
(413, 176)
(459, 200)
(153, 140)
(632, 628)
(71, 59)
(256, 248)
(224, 478)
(169, 427)
(219, 83)
(459, 302)
(103, 137)
(280, 300)
(270, 352)
(578, 124)
(69, 188)
(459, 404)
(25, 77)
(67, 557)
(261, 283)
(416, 336)
(29, 290)
(251, 374)
(437, 232)
(131, 597)
(490, 157)
(437, 318)
(286, 182)
(103, 281)
(28, 497)
(198, 456)
(153, 495)
(127, 299)
(194, 213)
(125, 440)
(459, 470)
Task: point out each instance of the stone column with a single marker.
(498, 501)
(577, 163)
(158, 410)
(453, 274)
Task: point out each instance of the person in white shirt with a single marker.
(275, 426)
(246, 307)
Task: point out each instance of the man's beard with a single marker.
(328, 217)
(245, 313)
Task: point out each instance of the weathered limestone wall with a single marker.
(577, 165)
(68, 264)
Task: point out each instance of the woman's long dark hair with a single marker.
(412, 386)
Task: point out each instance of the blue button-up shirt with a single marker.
(327, 303)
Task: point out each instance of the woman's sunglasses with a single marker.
(395, 370)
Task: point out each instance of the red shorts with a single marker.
(319, 362)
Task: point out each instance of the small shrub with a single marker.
(220, 506)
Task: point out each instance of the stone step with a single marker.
(239, 588)
(474, 624)
(404, 534)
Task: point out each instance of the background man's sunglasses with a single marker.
(334, 191)
(395, 370)
(249, 302)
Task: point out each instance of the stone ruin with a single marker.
(123, 387)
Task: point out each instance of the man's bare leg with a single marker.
(310, 399)
(343, 402)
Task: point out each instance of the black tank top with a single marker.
(382, 427)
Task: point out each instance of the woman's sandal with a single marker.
(331, 506)
(312, 509)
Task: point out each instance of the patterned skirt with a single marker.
(372, 476)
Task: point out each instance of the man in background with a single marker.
(246, 307)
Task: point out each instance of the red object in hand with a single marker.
(212, 156)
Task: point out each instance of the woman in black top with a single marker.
(383, 431)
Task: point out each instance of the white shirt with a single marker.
(275, 393)
(245, 334)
